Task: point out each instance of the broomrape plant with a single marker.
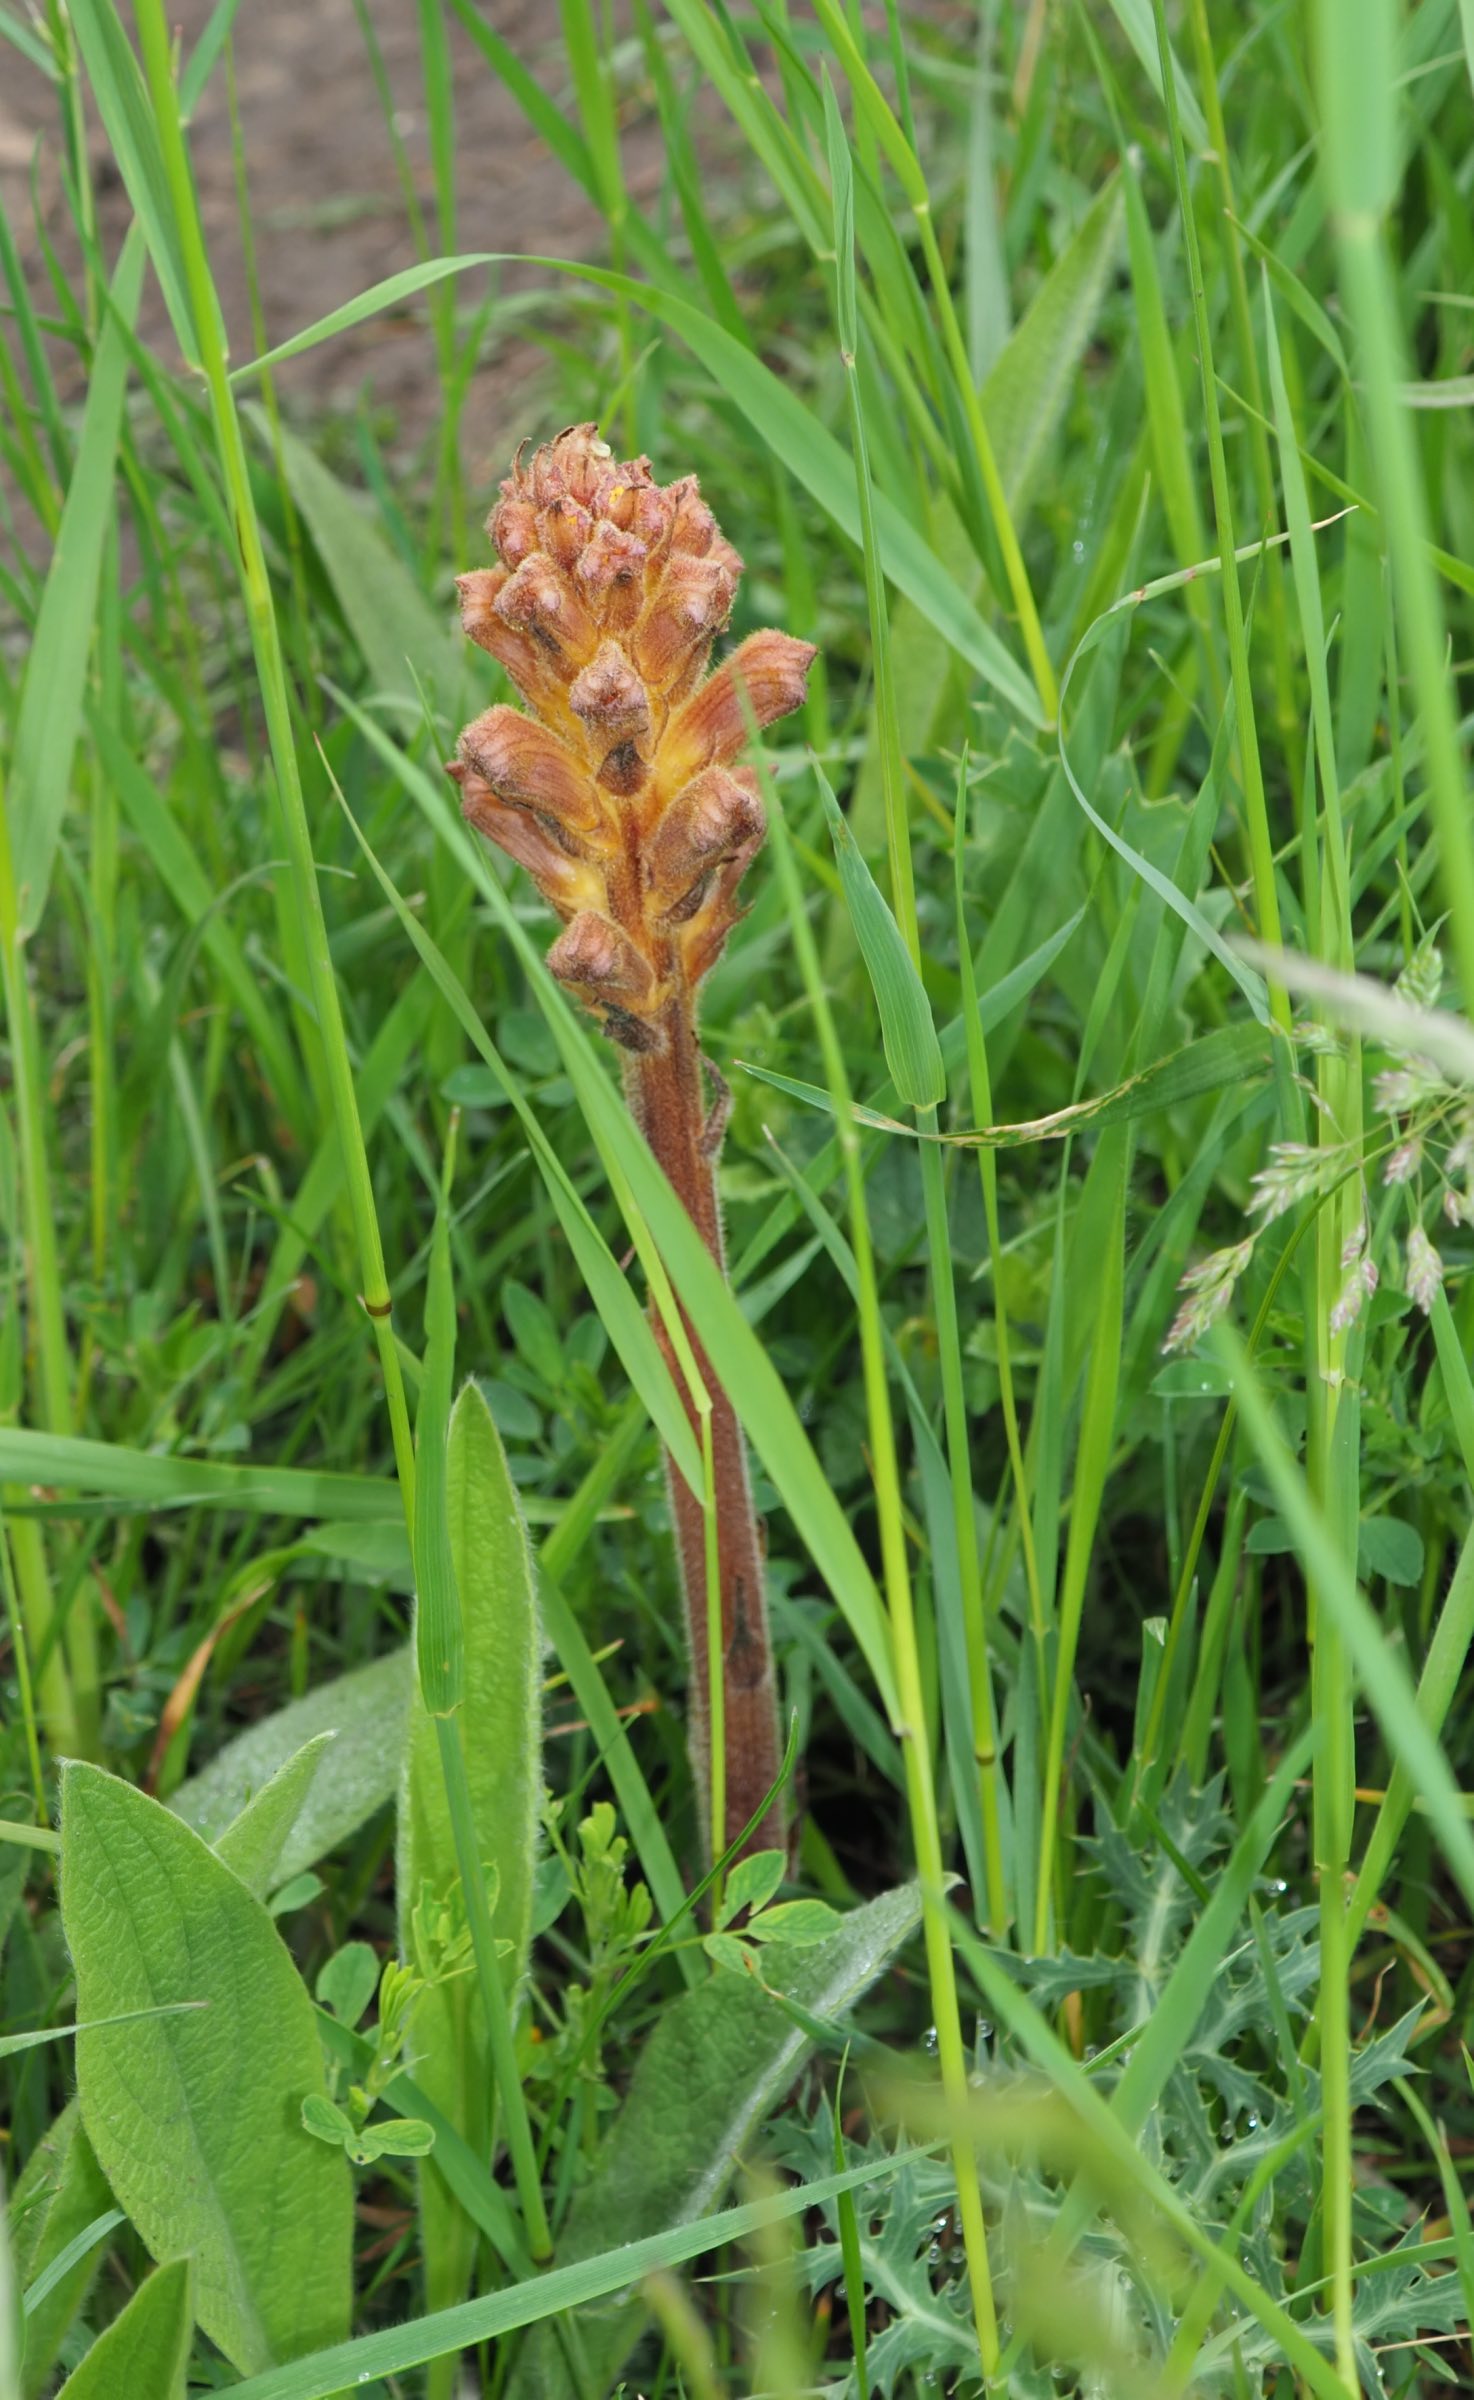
(1089, 386)
(621, 796)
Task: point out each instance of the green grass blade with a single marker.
(50, 714)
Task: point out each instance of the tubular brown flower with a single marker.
(620, 795)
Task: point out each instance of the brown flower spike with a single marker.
(621, 796)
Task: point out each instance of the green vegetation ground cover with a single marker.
(1091, 384)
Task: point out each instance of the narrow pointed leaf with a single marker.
(144, 2353)
(912, 1051)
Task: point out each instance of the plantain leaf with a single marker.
(196, 2118)
(713, 2065)
(144, 2354)
(1025, 395)
(501, 1714)
(365, 1712)
(252, 1846)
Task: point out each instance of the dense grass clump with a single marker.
(1045, 1277)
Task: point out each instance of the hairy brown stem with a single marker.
(669, 1104)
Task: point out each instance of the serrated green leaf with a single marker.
(144, 2354)
(195, 2118)
(912, 1051)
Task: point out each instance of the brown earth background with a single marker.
(326, 203)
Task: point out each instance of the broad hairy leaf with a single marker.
(253, 1845)
(364, 1710)
(710, 2070)
(196, 2118)
(500, 1718)
(144, 2354)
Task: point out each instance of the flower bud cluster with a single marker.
(620, 793)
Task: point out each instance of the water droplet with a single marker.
(934, 2255)
(1251, 2122)
(929, 2041)
(1278, 1886)
(1227, 2132)
(1079, 551)
(984, 2030)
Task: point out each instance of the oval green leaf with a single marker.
(196, 2118)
